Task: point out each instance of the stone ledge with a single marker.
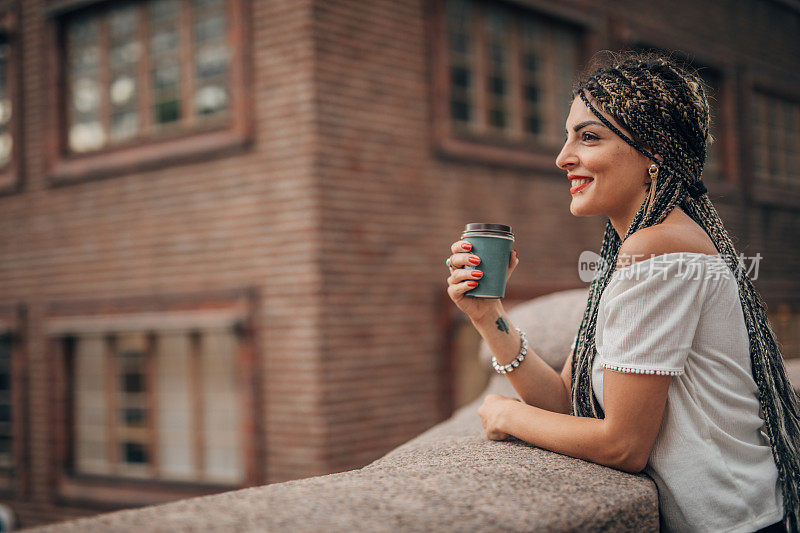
(450, 478)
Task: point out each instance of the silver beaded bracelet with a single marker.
(523, 349)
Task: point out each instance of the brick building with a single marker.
(224, 221)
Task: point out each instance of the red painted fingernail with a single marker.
(477, 274)
(466, 246)
(472, 283)
(474, 260)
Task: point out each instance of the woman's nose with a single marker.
(565, 158)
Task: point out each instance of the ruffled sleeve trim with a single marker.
(634, 370)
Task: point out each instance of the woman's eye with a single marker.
(586, 136)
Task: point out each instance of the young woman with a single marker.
(675, 370)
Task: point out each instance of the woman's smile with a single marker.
(579, 183)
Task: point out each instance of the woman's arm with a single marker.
(534, 380)
(581, 437)
(634, 408)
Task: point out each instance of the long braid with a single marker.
(776, 396)
(665, 107)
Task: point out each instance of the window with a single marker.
(9, 103)
(13, 474)
(124, 71)
(776, 140)
(156, 394)
(146, 72)
(6, 139)
(508, 76)
(157, 405)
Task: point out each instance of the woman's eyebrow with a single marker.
(585, 123)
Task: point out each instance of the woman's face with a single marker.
(619, 175)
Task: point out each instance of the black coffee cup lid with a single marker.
(487, 227)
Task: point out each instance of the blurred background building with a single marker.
(223, 222)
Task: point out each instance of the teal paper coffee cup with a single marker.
(493, 244)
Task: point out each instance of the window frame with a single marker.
(448, 142)
(142, 154)
(761, 80)
(11, 176)
(235, 308)
(14, 480)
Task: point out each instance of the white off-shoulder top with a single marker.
(679, 314)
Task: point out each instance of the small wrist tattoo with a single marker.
(502, 325)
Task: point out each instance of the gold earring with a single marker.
(653, 171)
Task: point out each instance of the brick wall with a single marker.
(245, 220)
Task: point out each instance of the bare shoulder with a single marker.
(676, 235)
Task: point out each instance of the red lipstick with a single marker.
(574, 177)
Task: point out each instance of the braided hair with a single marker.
(665, 108)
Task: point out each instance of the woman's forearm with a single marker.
(534, 380)
(581, 437)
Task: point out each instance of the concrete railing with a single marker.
(450, 478)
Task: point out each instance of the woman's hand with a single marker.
(490, 412)
(463, 280)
